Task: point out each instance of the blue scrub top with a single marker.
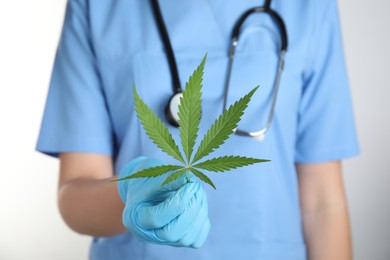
(106, 46)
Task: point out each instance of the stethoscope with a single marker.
(171, 109)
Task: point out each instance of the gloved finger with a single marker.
(129, 169)
(199, 230)
(157, 216)
(147, 163)
(202, 236)
(144, 235)
(179, 182)
(179, 227)
(128, 219)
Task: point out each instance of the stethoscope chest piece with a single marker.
(172, 109)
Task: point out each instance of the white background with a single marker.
(30, 225)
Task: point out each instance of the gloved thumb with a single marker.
(156, 216)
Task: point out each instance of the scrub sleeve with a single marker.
(76, 118)
(326, 128)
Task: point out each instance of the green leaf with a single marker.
(203, 177)
(226, 163)
(222, 127)
(190, 110)
(174, 176)
(152, 172)
(155, 129)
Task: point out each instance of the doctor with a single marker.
(291, 208)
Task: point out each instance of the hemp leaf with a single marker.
(190, 111)
(189, 120)
(156, 130)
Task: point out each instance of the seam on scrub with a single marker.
(316, 28)
(333, 149)
(136, 70)
(342, 153)
(115, 146)
(216, 23)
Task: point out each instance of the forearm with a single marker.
(327, 233)
(91, 206)
(324, 211)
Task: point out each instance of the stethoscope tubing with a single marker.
(168, 47)
(262, 131)
(232, 50)
(176, 86)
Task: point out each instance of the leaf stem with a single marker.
(188, 174)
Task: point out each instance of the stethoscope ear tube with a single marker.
(168, 47)
(274, 15)
(259, 135)
(171, 109)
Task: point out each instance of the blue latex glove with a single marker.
(175, 214)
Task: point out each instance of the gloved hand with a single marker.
(175, 214)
